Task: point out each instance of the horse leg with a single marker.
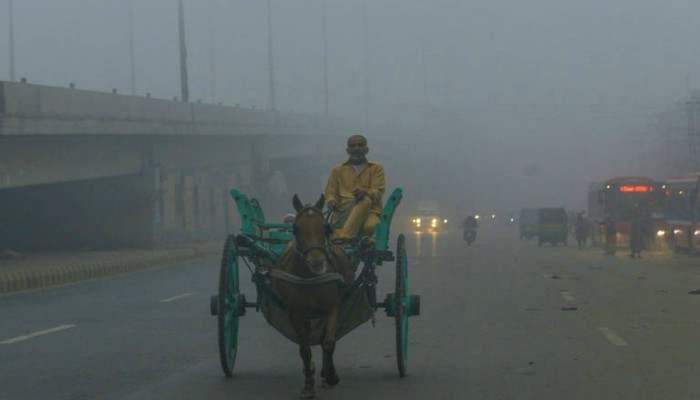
(328, 371)
(302, 327)
(308, 392)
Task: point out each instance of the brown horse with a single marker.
(310, 288)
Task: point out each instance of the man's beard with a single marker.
(357, 159)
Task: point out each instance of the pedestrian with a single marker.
(581, 230)
(288, 220)
(610, 235)
(648, 233)
(637, 229)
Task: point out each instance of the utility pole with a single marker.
(270, 60)
(692, 133)
(183, 54)
(12, 41)
(366, 62)
(425, 86)
(131, 49)
(212, 89)
(325, 59)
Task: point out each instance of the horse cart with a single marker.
(259, 247)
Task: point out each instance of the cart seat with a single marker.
(279, 235)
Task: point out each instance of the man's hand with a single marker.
(359, 193)
(330, 204)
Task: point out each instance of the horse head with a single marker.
(310, 235)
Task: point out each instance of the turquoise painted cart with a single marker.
(259, 246)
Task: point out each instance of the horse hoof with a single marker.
(331, 381)
(307, 393)
(326, 385)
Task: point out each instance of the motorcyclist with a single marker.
(469, 225)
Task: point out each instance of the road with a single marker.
(503, 319)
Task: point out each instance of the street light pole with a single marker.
(211, 52)
(366, 63)
(183, 53)
(426, 104)
(131, 49)
(692, 133)
(12, 41)
(325, 59)
(270, 60)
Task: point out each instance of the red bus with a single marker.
(681, 212)
(622, 197)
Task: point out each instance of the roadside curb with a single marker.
(13, 282)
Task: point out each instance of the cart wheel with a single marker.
(401, 306)
(229, 307)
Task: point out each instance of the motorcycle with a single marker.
(469, 235)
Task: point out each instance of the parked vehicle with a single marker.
(681, 213)
(552, 227)
(620, 198)
(527, 223)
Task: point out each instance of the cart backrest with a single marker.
(381, 232)
(253, 222)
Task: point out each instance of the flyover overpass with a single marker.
(84, 169)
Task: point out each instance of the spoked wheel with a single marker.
(401, 305)
(230, 303)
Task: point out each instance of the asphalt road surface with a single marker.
(502, 319)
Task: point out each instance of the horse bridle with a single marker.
(304, 252)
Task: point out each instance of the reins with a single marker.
(343, 216)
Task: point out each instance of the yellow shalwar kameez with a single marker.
(365, 215)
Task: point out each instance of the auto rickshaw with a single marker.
(527, 223)
(552, 226)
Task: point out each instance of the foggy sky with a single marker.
(569, 86)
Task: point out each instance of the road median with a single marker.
(40, 271)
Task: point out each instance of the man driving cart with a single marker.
(354, 192)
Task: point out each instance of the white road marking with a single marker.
(35, 334)
(612, 336)
(567, 296)
(168, 300)
(547, 276)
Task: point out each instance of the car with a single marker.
(427, 218)
(429, 223)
